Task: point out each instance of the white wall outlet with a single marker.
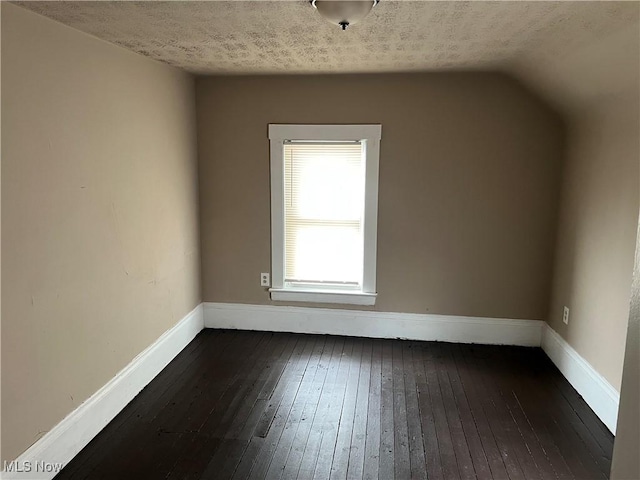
(565, 316)
(265, 281)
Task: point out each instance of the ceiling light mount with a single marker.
(344, 13)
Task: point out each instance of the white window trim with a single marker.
(370, 135)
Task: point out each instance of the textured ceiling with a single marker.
(290, 37)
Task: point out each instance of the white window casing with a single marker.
(348, 149)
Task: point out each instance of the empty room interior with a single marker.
(320, 239)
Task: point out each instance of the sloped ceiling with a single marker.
(604, 70)
(535, 40)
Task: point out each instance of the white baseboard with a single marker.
(73, 433)
(373, 324)
(77, 429)
(594, 388)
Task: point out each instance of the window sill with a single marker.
(347, 298)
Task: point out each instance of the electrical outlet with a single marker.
(565, 316)
(265, 281)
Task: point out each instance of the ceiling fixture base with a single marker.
(343, 13)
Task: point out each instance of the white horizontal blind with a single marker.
(323, 212)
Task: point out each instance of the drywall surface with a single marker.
(99, 216)
(597, 234)
(468, 190)
(595, 84)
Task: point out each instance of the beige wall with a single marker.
(469, 175)
(597, 234)
(626, 463)
(595, 86)
(99, 216)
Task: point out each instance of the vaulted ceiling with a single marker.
(536, 40)
(289, 36)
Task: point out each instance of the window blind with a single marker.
(324, 207)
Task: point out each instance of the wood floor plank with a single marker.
(401, 458)
(153, 461)
(195, 458)
(252, 445)
(357, 449)
(387, 427)
(292, 464)
(502, 425)
(534, 449)
(223, 464)
(305, 394)
(427, 421)
(283, 397)
(210, 391)
(596, 428)
(467, 389)
(455, 396)
(98, 449)
(489, 445)
(568, 418)
(534, 418)
(418, 465)
(461, 446)
(242, 391)
(248, 414)
(314, 438)
(225, 455)
(446, 447)
(342, 449)
(239, 404)
(536, 414)
(256, 375)
(577, 457)
(372, 441)
(289, 384)
(198, 372)
(331, 421)
(125, 456)
(277, 394)
(251, 411)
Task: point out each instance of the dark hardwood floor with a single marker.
(238, 404)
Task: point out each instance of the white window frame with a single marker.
(370, 136)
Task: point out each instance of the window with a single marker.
(324, 207)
